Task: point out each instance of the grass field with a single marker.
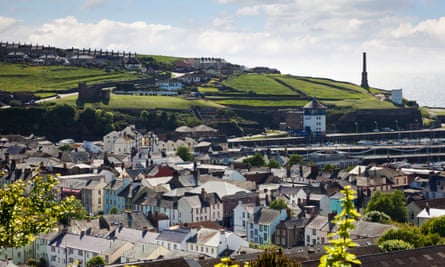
(260, 84)
(361, 104)
(141, 102)
(17, 77)
(320, 90)
(263, 103)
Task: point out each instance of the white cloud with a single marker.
(7, 23)
(299, 37)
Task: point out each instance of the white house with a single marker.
(314, 117)
(397, 96)
(213, 242)
(124, 141)
(241, 215)
(316, 231)
(427, 214)
(175, 237)
(69, 248)
(202, 207)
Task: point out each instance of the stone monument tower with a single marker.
(364, 83)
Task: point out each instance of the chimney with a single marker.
(195, 173)
(427, 208)
(204, 194)
(364, 83)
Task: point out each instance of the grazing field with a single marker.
(141, 102)
(322, 90)
(355, 104)
(258, 84)
(263, 103)
(18, 77)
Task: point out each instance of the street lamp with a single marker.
(376, 126)
(356, 127)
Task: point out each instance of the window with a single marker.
(308, 238)
(80, 252)
(53, 249)
(244, 214)
(313, 232)
(70, 251)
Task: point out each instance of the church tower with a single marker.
(364, 83)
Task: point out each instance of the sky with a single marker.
(319, 38)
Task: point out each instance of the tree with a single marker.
(184, 153)
(278, 204)
(274, 257)
(412, 235)
(78, 212)
(257, 160)
(114, 210)
(330, 168)
(96, 261)
(273, 164)
(294, 159)
(337, 254)
(28, 208)
(376, 216)
(392, 245)
(392, 204)
(434, 225)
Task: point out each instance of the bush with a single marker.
(392, 245)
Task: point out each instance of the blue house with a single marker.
(112, 197)
(263, 223)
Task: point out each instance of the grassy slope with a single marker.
(140, 102)
(17, 77)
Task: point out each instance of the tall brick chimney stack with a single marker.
(364, 83)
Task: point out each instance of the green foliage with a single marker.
(273, 164)
(278, 204)
(77, 212)
(337, 254)
(96, 261)
(434, 226)
(265, 246)
(30, 208)
(393, 204)
(257, 84)
(66, 147)
(412, 235)
(376, 216)
(257, 160)
(114, 210)
(18, 77)
(330, 168)
(184, 153)
(274, 257)
(294, 159)
(392, 245)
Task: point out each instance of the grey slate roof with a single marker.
(264, 216)
(174, 236)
